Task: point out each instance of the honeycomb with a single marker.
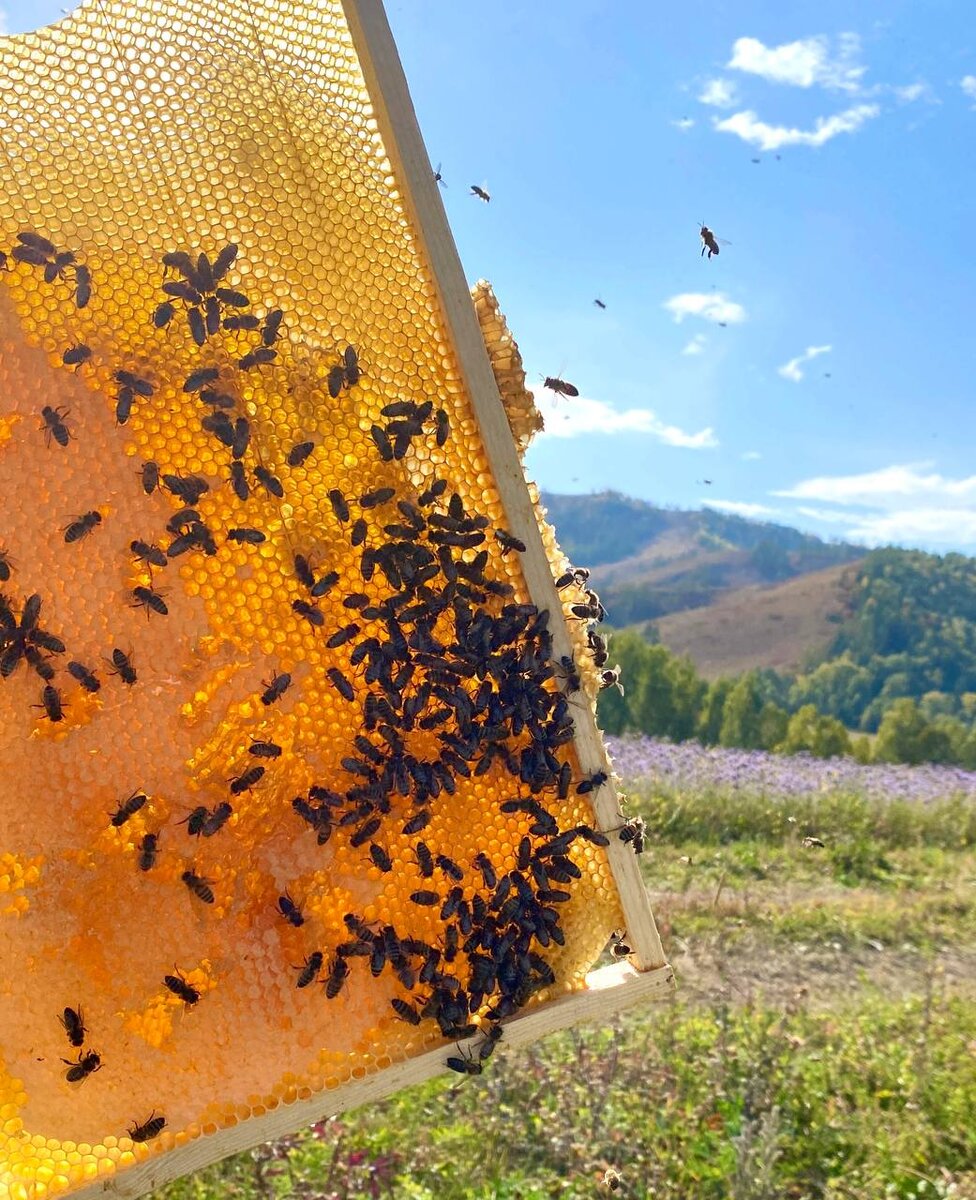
(289, 790)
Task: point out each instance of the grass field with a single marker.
(823, 1042)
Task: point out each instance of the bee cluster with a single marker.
(445, 674)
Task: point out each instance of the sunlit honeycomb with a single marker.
(180, 718)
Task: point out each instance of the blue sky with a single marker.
(819, 371)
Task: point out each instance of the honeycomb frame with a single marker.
(198, 649)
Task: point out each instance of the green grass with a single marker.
(868, 1101)
(860, 1090)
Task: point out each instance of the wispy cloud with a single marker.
(806, 63)
(4, 27)
(793, 369)
(888, 487)
(747, 125)
(720, 93)
(583, 416)
(912, 92)
(710, 306)
(904, 503)
(751, 456)
(968, 85)
(696, 345)
(741, 508)
(684, 124)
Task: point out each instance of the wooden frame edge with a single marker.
(394, 113)
(608, 991)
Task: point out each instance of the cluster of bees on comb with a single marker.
(447, 676)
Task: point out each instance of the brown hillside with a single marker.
(762, 626)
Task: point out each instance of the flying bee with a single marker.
(149, 599)
(709, 241)
(599, 303)
(199, 886)
(438, 177)
(148, 1129)
(128, 808)
(275, 688)
(148, 849)
(560, 386)
(86, 1064)
(73, 1025)
(480, 192)
(179, 987)
(290, 910)
(610, 677)
(81, 526)
(309, 969)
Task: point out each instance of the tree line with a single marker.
(665, 697)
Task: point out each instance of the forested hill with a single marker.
(649, 561)
(910, 631)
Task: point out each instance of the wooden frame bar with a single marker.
(397, 120)
(608, 991)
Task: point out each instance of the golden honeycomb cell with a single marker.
(133, 131)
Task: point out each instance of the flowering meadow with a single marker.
(692, 767)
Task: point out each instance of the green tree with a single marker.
(808, 730)
(712, 709)
(742, 715)
(687, 693)
(773, 722)
(905, 736)
(614, 712)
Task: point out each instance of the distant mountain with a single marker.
(648, 562)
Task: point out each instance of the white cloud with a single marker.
(583, 416)
(3, 22)
(887, 488)
(792, 369)
(746, 125)
(933, 526)
(833, 516)
(696, 345)
(741, 508)
(913, 91)
(710, 306)
(684, 124)
(803, 63)
(968, 85)
(720, 93)
(751, 456)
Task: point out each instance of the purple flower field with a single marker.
(693, 767)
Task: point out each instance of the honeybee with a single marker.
(709, 241)
(480, 192)
(560, 386)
